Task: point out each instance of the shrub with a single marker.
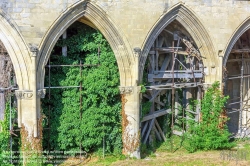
(211, 132)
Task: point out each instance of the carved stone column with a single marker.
(130, 120)
(29, 118)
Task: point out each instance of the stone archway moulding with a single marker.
(99, 18)
(17, 50)
(243, 27)
(194, 27)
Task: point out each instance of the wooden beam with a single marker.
(154, 95)
(144, 129)
(165, 63)
(178, 85)
(243, 50)
(237, 60)
(160, 130)
(151, 77)
(156, 114)
(149, 129)
(158, 134)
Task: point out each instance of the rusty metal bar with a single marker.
(83, 65)
(49, 106)
(241, 76)
(238, 102)
(173, 91)
(60, 87)
(80, 89)
(241, 95)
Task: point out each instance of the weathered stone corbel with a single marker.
(24, 94)
(41, 93)
(126, 89)
(137, 51)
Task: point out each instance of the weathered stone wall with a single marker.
(134, 18)
(214, 24)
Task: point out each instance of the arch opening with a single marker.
(237, 85)
(7, 79)
(173, 77)
(83, 79)
(193, 26)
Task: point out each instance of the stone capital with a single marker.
(126, 89)
(41, 93)
(24, 94)
(33, 49)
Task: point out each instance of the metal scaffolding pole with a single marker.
(241, 96)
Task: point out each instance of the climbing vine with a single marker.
(71, 127)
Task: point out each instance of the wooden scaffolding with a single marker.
(173, 63)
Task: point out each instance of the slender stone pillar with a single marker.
(131, 111)
(29, 118)
(130, 120)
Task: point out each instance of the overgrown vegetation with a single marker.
(96, 120)
(6, 144)
(211, 132)
(4, 137)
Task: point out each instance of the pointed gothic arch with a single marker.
(17, 50)
(194, 27)
(242, 28)
(104, 24)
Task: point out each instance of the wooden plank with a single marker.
(149, 130)
(178, 85)
(156, 114)
(246, 50)
(164, 51)
(157, 133)
(181, 71)
(160, 130)
(151, 77)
